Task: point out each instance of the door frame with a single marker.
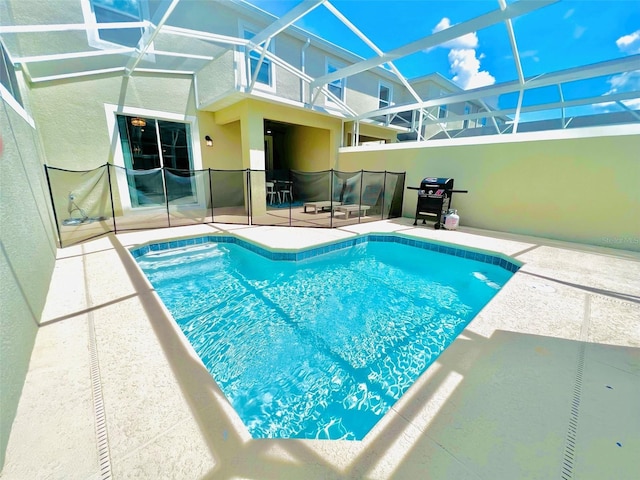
(268, 153)
(118, 158)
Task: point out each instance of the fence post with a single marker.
(249, 212)
(384, 188)
(53, 205)
(360, 199)
(331, 198)
(290, 187)
(210, 193)
(113, 210)
(404, 177)
(166, 194)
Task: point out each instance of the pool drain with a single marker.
(104, 459)
(572, 430)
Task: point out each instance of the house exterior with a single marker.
(231, 92)
(258, 108)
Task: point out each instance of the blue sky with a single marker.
(563, 35)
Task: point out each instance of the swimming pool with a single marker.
(319, 343)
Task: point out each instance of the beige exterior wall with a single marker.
(308, 148)
(254, 112)
(427, 88)
(288, 85)
(582, 190)
(368, 131)
(74, 125)
(71, 118)
(362, 91)
(216, 78)
(226, 152)
(27, 256)
(212, 17)
(33, 13)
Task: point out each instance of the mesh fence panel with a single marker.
(189, 196)
(230, 196)
(112, 198)
(81, 203)
(394, 194)
(269, 204)
(312, 196)
(373, 193)
(143, 200)
(311, 186)
(348, 186)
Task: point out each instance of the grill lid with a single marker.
(435, 186)
(437, 182)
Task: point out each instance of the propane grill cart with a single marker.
(434, 199)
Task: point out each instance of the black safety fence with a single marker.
(87, 204)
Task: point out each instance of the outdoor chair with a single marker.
(272, 193)
(285, 189)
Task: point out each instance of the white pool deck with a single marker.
(544, 383)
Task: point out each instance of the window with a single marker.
(384, 96)
(483, 121)
(115, 11)
(8, 75)
(149, 144)
(467, 110)
(337, 86)
(442, 113)
(264, 73)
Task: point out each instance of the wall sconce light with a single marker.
(209, 141)
(138, 122)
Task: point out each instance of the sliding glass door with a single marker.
(148, 145)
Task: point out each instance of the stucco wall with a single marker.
(309, 149)
(226, 152)
(254, 130)
(71, 119)
(363, 91)
(368, 130)
(216, 78)
(288, 85)
(27, 257)
(582, 189)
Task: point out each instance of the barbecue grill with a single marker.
(434, 199)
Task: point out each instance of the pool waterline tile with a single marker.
(508, 263)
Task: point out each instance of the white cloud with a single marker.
(578, 31)
(629, 43)
(624, 82)
(627, 81)
(568, 13)
(470, 40)
(533, 54)
(463, 58)
(633, 104)
(466, 69)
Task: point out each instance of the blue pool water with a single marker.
(321, 347)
